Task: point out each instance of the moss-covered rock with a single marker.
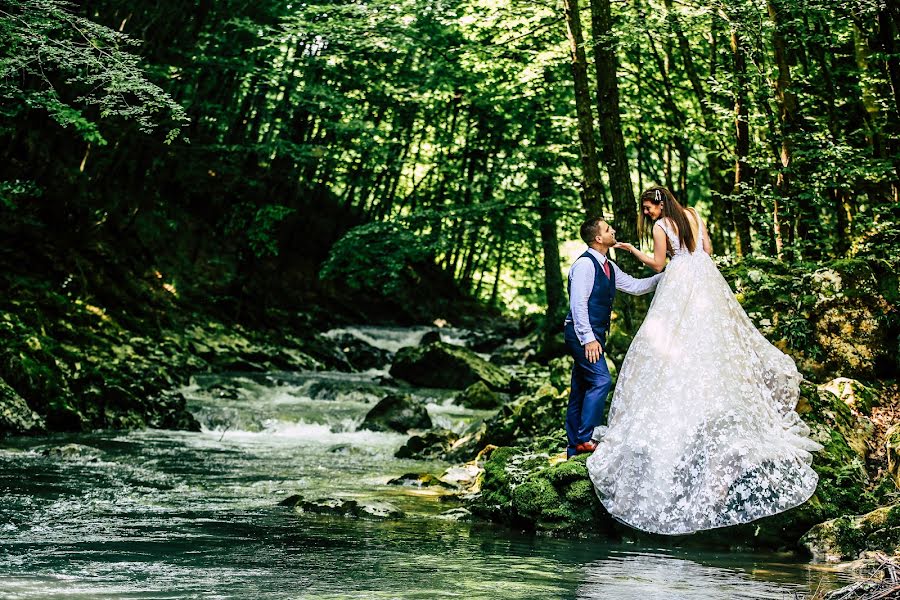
(342, 507)
(479, 396)
(534, 419)
(531, 490)
(420, 480)
(845, 537)
(397, 412)
(833, 318)
(858, 396)
(443, 365)
(15, 416)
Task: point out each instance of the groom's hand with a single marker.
(592, 351)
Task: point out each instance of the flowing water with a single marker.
(162, 514)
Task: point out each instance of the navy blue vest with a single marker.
(601, 299)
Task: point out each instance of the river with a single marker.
(166, 514)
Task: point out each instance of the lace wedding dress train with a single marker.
(702, 431)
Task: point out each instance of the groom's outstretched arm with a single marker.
(632, 285)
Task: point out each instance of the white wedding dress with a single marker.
(702, 431)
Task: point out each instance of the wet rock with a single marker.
(72, 452)
(479, 396)
(15, 415)
(847, 537)
(456, 514)
(291, 501)
(489, 340)
(430, 337)
(464, 476)
(344, 449)
(362, 355)
(431, 444)
(420, 480)
(442, 365)
(364, 509)
(397, 412)
(169, 411)
(859, 397)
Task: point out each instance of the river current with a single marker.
(164, 514)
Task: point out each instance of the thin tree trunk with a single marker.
(591, 192)
(783, 214)
(623, 200)
(743, 172)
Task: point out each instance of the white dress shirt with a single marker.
(581, 282)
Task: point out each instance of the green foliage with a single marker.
(378, 258)
(62, 63)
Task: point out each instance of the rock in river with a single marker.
(341, 507)
(846, 537)
(397, 412)
(443, 365)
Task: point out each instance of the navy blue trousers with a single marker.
(590, 386)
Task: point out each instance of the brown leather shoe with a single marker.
(586, 447)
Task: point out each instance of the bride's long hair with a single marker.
(662, 197)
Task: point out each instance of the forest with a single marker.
(245, 150)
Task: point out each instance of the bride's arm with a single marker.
(707, 244)
(657, 262)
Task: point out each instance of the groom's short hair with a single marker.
(590, 229)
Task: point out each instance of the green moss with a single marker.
(581, 492)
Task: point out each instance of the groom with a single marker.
(593, 281)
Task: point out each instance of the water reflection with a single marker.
(639, 576)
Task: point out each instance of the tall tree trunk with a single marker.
(719, 186)
(553, 283)
(591, 192)
(623, 200)
(888, 34)
(783, 213)
(743, 172)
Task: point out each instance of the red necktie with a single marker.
(606, 268)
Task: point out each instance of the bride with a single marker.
(702, 431)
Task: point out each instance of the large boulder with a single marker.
(858, 396)
(844, 538)
(397, 412)
(835, 320)
(442, 365)
(15, 415)
(533, 491)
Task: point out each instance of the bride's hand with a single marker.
(624, 246)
